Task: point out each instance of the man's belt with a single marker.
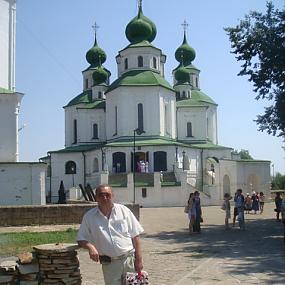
(105, 259)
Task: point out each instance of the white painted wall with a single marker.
(7, 43)
(22, 183)
(126, 99)
(85, 120)
(9, 110)
(147, 53)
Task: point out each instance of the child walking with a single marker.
(227, 208)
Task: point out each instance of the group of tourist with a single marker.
(242, 204)
(254, 202)
(193, 209)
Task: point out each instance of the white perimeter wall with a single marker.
(22, 183)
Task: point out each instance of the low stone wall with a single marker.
(48, 214)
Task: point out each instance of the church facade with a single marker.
(153, 141)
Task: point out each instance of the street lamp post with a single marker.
(138, 132)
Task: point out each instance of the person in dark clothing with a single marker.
(278, 204)
(197, 206)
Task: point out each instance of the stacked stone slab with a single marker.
(58, 264)
(8, 272)
(28, 269)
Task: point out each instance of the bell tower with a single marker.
(7, 43)
(9, 99)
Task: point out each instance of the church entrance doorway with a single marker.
(141, 161)
(119, 162)
(160, 161)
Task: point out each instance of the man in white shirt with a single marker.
(110, 232)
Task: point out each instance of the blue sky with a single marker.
(53, 37)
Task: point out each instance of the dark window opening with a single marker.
(189, 130)
(126, 63)
(74, 131)
(95, 131)
(70, 167)
(154, 63)
(140, 61)
(140, 117)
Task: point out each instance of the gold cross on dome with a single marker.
(185, 25)
(139, 3)
(95, 27)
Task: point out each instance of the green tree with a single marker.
(243, 153)
(258, 41)
(278, 181)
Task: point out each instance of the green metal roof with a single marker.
(140, 141)
(208, 145)
(198, 98)
(141, 44)
(250, 160)
(79, 148)
(5, 91)
(140, 78)
(86, 102)
(143, 141)
(190, 67)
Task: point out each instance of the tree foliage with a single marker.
(258, 41)
(278, 181)
(243, 154)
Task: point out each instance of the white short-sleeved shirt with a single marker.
(113, 236)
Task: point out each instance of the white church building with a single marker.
(21, 183)
(153, 141)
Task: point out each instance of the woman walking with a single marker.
(227, 207)
(191, 212)
(198, 211)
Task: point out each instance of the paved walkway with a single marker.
(216, 256)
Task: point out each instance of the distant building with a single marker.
(20, 183)
(166, 133)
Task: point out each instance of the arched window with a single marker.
(140, 117)
(140, 61)
(197, 82)
(126, 64)
(189, 130)
(183, 94)
(95, 165)
(95, 131)
(70, 167)
(154, 63)
(86, 83)
(119, 162)
(177, 95)
(189, 94)
(160, 161)
(99, 94)
(74, 131)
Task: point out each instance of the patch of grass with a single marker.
(15, 243)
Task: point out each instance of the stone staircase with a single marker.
(118, 179)
(168, 179)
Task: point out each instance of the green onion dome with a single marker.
(185, 53)
(100, 75)
(182, 75)
(140, 29)
(96, 55)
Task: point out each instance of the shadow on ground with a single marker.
(259, 249)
